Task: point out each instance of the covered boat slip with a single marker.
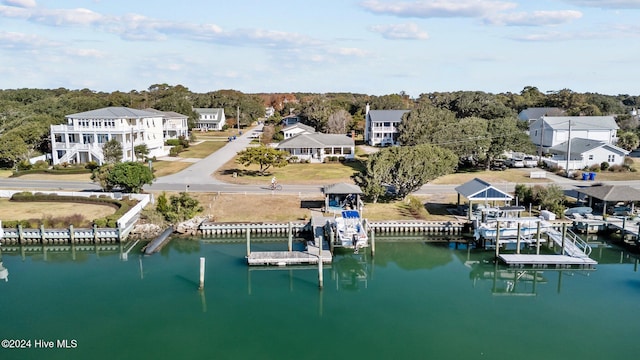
(479, 191)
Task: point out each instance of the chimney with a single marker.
(366, 109)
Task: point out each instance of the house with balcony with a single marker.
(210, 119)
(549, 131)
(82, 138)
(174, 125)
(381, 126)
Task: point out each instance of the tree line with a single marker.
(26, 114)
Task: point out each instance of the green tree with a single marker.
(628, 140)
(129, 176)
(12, 150)
(112, 151)
(406, 168)
(264, 156)
(141, 151)
(549, 197)
(100, 175)
(505, 136)
(178, 208)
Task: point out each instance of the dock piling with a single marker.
(202, 262)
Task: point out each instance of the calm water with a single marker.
(413, 301)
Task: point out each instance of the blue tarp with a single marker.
(350, 214)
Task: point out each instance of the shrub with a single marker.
(23, 165)
(416, 208)
(594, 168)
(342, 159)
(604, 166)
(41, 165)
(619, 168)
(91, 165)
(172, 142)
(176, 150)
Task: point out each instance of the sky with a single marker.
(374, 47)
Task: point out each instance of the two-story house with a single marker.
(381, 126)
(549, 131)
(210, 119)
(174, 125)
(82, 138)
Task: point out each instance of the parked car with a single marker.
(515, 163)
(530, 161)
(497, 165)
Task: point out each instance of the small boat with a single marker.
(349, 231)
(508, 217)
(581, 210)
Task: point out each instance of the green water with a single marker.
(413, 301)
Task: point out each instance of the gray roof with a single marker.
(581, 122)
(208, 110)
(316, 140)
(167, 114)
(301, 126)
(611, 192)
(341, 188)
(387, 115)
(113, 113)
(580, 146)
(478, 189)
(535, 113)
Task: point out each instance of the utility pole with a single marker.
(568, 148)
(238, 119)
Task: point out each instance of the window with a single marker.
(590, 156)
(612, 158)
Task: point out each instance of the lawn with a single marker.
(164, 168)
(509, 175)
(203, 148)
(304, 174)
(10, 210)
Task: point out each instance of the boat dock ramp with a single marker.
(313, 253)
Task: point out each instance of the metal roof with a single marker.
(167, 114)
(478, 189)
(535, 113)
(342, 188)
(387, 115)
(580, 146)
(316, 140)
(611, 192)
(580, 122)
(299, 125)
(113, 113)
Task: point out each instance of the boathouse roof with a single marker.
(478, 189)
(611, 192)
(342, 188)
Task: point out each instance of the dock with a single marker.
(546, 260)
(285, 258)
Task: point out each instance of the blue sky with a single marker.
(373, 47)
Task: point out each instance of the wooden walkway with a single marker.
(546, 260)
(284, 258)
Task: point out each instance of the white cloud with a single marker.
(21, 3)
(535, 18)
(90, 53)
(350, 52)
(14, 40)
(407, 31)
(438, 8)
(607, 4)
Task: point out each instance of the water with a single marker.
(414, 300)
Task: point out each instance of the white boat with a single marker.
(507, 218)
(508, 228)
(349, 231)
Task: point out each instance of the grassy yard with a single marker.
(259, 208)
(164, 168)
(309, 174)
(203, 149)
(42, 210)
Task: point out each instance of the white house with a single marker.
(297, 129)
(585, 153)
(549, 131)
(316, 147)
(381, 126)
(82, 138)
(210, 119)
(174, 124)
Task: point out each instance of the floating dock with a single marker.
(546, 260)
(285, 258)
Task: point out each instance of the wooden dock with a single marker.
(284, 258)
(546, 260)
